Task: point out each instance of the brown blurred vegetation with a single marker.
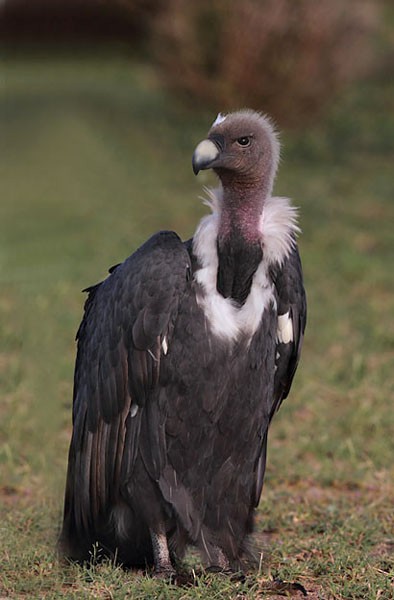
(289, 58)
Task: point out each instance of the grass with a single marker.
(95, 158)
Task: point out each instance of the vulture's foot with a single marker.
(219, 563)
(167, 573)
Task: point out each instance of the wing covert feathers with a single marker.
(291, 303)
(117, 367)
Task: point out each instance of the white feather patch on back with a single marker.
(219, 119)
(133, 410)
(278, 228)
(285, 329)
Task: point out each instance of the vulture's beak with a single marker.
(204, 155)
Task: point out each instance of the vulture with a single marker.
(185, 352)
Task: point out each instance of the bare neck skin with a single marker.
(243, 203)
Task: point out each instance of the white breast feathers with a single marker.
(227, 320)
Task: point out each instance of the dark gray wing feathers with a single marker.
(117, 366)
(291, 300)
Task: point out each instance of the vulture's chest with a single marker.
(226, 318)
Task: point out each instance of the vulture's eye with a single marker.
(244, 140)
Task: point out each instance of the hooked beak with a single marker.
(204, 155)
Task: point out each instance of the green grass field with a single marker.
(94, 159)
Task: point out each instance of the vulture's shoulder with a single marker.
(155, 271)
(163, 252)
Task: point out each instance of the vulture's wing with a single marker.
(291, 301)
(125, 331)
(291, 325)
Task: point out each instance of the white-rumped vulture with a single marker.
(185, 352)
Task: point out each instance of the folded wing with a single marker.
(124, 335)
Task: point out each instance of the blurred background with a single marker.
(102, 103)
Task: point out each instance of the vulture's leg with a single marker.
(161, 554)
(218, 561)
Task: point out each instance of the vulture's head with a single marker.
(241, 147)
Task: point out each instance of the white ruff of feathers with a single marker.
(278, 228)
